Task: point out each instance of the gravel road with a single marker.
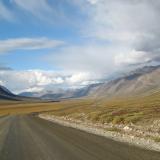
(26, 137)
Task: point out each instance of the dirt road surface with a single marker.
(26, 137)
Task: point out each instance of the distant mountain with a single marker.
(30, 94)
(61, 93)
(5, 94)
(41, 93)
(139, 82)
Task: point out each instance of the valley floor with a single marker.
(135, 120)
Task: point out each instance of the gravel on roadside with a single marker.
(143, 142)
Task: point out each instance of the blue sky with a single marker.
(72, 43)
(24, 24)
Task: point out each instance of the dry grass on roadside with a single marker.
(116, 111)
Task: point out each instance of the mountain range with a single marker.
(142, 81)
(62, 94)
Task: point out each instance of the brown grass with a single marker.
(117, 111)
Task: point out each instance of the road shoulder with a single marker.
(91, 128)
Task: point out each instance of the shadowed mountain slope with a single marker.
(5, 94)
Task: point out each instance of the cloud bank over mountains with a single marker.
(38, 80)
(114, 36)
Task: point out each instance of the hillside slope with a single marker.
(140, 82)
(5, 94)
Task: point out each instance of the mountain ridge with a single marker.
(140, 81)
(5, 94)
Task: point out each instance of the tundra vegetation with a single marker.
(141, 111)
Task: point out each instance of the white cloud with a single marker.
(1, 83)
(78, 78)
(92, 58)
(124, 33)
(38, 80)
(5, 13)
(28, 44)
(122, 20)
(120, 34)
(93, 1)
(130, 24)
(51, 13)
(32, 89)
(133, 57)
(59, 80)
(39, 8)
